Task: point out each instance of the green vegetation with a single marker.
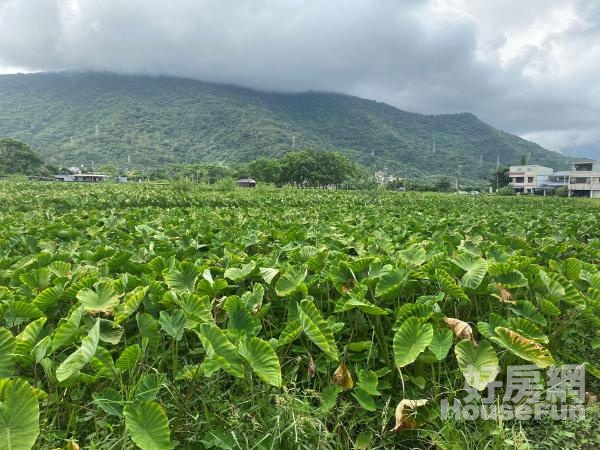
(562, 191)
(308, 168)
(16, 158)
(226, 318)
(506, 191)
(500, 178)
(74, 119)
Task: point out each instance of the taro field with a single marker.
(141, 316)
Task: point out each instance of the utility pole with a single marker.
(97, 131)
(497, 161)
(457, 178)
(293, 142)
(373, 168)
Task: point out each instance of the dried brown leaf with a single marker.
(218, 311)
(504, 295)
(405, 420)
(343, 377)
(590, 399)
(311, 366)
(348, 285)
(462, 330)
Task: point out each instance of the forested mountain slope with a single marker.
(79, 118)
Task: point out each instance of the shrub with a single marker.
(182, 184)
(506, 191)
(562, 191)
(226, 185)
(16, 178)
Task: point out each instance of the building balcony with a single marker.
(584, 187)
(584, 173)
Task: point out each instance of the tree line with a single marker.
(303, 168)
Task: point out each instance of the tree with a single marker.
(332, 168)
(215, 172)
(109, 169)
(500, 178)
(299, 168)
(316, 168)
(16, 157)
(443, 185)
(267, 170)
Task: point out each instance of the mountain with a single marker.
(79, 118)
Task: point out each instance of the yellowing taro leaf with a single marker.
(72, 445)
(462, 330)
(523, 347)
(343, 377)
(404, 418)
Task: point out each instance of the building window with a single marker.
(580, 180)
(519, 180)
(530, 179)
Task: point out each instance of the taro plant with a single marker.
(160, 319)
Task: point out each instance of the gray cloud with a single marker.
(527, 67)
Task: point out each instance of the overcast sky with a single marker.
(527, 66)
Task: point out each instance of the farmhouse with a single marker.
(526, 179)
(585, 179)
(82, 177)
(246, 182)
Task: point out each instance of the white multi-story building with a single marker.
(558, 179)
(383, 177)
(525, 179)
(584, 179)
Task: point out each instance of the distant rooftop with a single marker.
(527, 165)
(89, 175)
